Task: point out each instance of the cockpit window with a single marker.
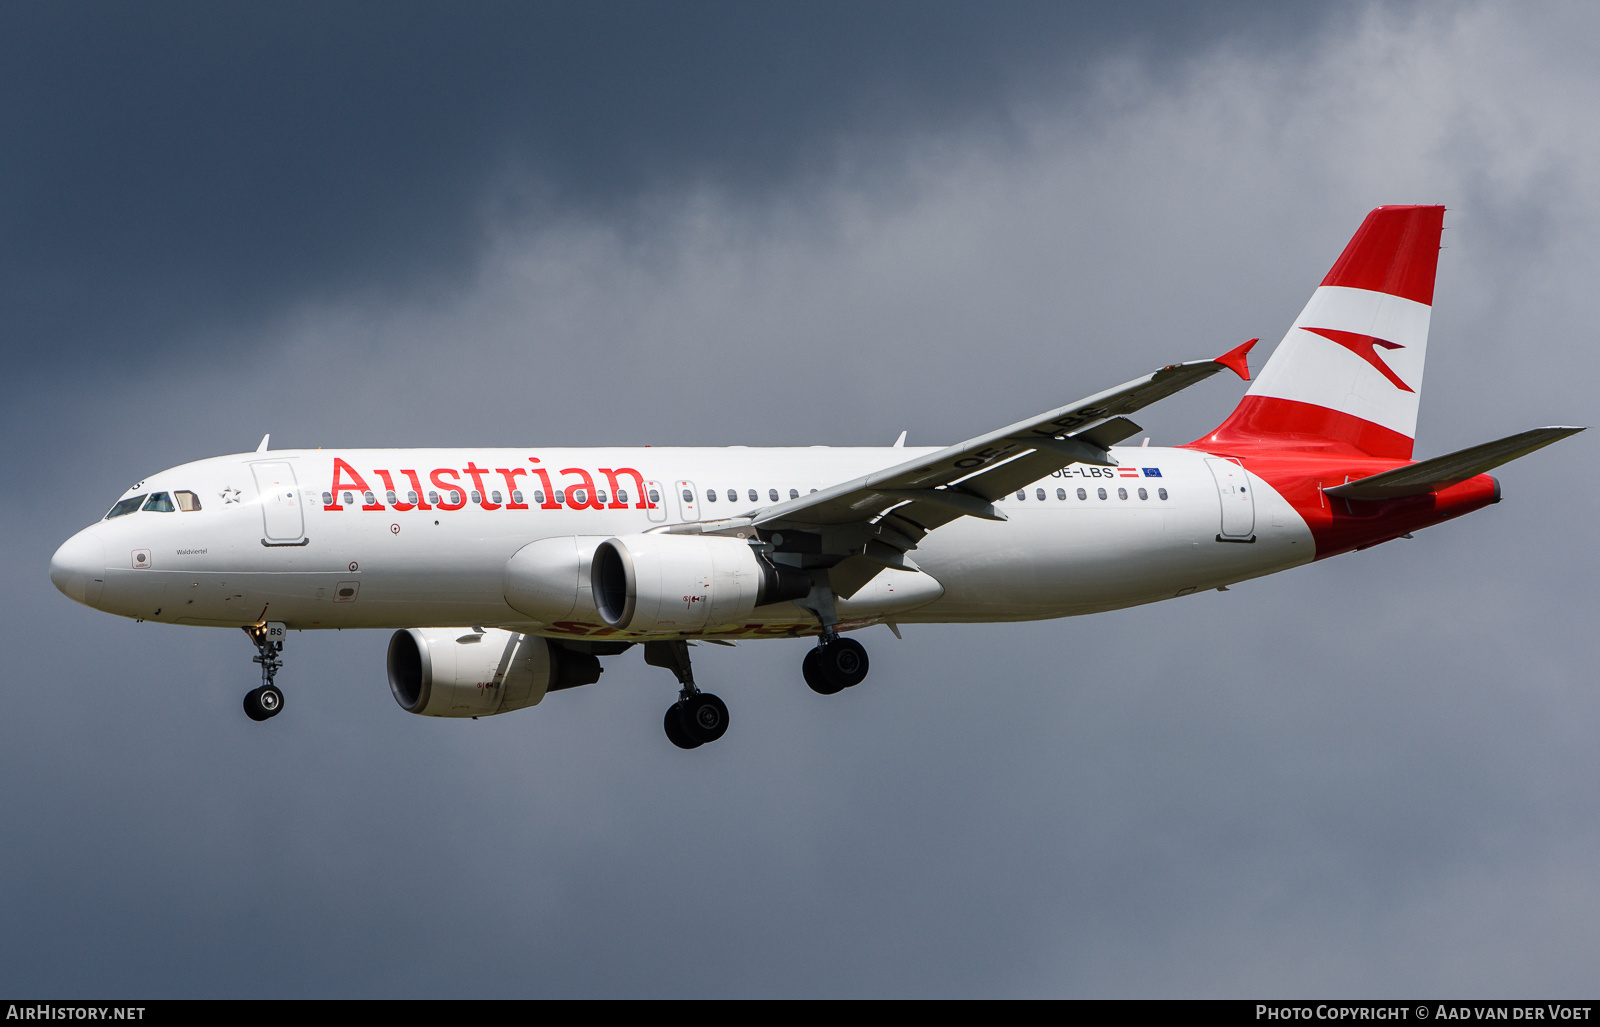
(159, 502)
(126, 506)
(188, 502)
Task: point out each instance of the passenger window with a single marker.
(516, 497)
(476, 498)
(1122, 493)
(733, 495)
(755, 497)
(688, 497)
(1143, 494)
(622, 496)
(600, 494)
(813, 491)
(160, 502)
(772, 495)
(126, 506)
(411, 497)
(1162, 493)
(538, 496)
(1061, 493)
(433, 497)
(794, 493)
(1082, 494)
(1102, 493)
(371, 500)
(1022, 493)
(1038, 494)
(579, 496)
(561, 496)
(494, 497)
(349, 499)
(327, 499)
(711, 495)
(391, 497)
(655, 497)
(188, 502)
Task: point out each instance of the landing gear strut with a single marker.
(697, 717)
(266, 701)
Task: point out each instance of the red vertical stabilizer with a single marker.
(1346, 378)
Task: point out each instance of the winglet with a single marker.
(263, 447)
(1234, 359)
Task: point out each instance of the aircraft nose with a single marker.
(79, 568)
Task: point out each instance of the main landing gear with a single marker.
(835, 664)
(697, 717)
(700, 717)
(266, 701)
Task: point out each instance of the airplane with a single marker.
(507, 574)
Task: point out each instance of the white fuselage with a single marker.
(289, 536)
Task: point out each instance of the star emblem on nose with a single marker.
(229, 495)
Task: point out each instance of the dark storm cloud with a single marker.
(169, 170)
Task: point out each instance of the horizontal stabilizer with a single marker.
(1441, 472)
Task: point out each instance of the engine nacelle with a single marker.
(678, 584)
(549, 579)
(457, 672)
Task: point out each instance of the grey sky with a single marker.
(1370, 776)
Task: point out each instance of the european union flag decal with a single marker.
(1151, 472)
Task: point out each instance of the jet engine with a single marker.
(459, 672)
(685, 583)
(549, 579)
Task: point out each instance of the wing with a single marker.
(966, 479)
(881, 516)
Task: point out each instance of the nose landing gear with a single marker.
(266, 701)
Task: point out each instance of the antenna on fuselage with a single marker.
(263, 447)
